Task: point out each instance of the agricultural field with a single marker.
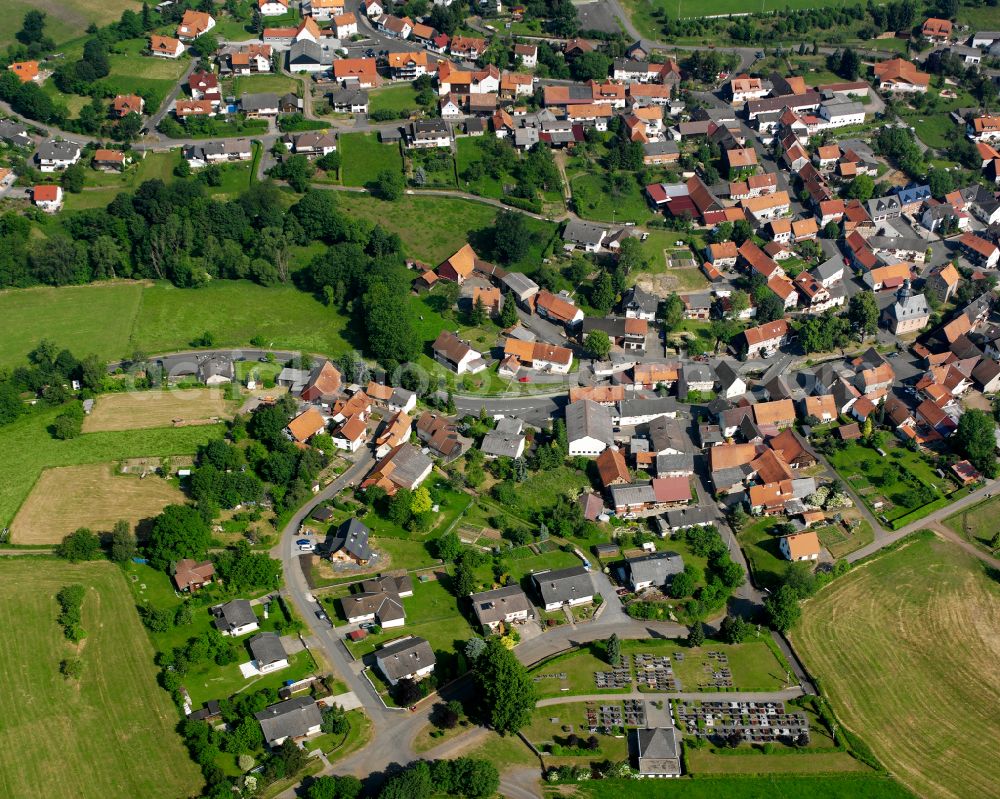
(364, 156)
(64, 19)
(907, 652)
(29, 449)
(112, 734)
(112, 320)
(139, 409)
(93, 495)
(826, 786)
(432, 228)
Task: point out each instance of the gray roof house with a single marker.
(14, 133)
(588, 428)
(293, 718)
(637, 303)
(693, 516)
(583, 235)
(215, 370)
(410, 658)
(505, 440)
(350, 540)
(260, 104)
(235, 617)
(572, 586)
(268, 652)
(504, 605)
(653, 570)
(521, 286)
(658, 752)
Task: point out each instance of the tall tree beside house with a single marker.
(178, 532)
(673, 312)
(478, 314)
(597, 344)
(388, 325)
(976, 439)
(510, 237)
(602, 295)
(862, 313)
(506, 692)
(508, 313)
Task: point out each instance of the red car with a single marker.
(524, 379)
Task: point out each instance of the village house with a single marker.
(268, 653)
(800, 546)
(190, 575)
(507, 605)
(193, 24)
(294, 719)
(588, 428)
(564, 587)
(54, 155)
(235, 618)
(48, 197)
(348, 543)
(406, 659)
(899, 75)
(456, 354)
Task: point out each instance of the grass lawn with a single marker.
(399, 98)
(431, 613)
(594, 199)
(761, 548)
(469, 152)
(279, 84)
(546, 729)
(907, 652)
(113, 319)
(978, 523)
(282, 315)
(364, 156)
(336, 747)
(29, 449)
(158, 166)
(112, 733)
(824, 786)
(935, 129)
(703, 761)
(64, 19)
(432, 228)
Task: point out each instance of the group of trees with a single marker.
(70, 600)
(467, 777)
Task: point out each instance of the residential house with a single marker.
(235, 618)
(48, 197)
(557, 309)
(379, 601)
(193, 24)
(528, 53)
(937, 30)
(899, 75)
(272, 8)
(350, 435)
(730, 384)
(800, 546)
(506, 606)
(588, 428)
(54, 155)
(638, 303)
(538, 355)
(361, 73)
(407, 65)
(268, 653)
(397, 27)
(428, 133)
(653, 571)
(165, 46)
(312, 143)
(349, 100)
(190, 575)
(763, 340)
(325, 10)
(295, 718)
(260, 105)
(506, 440)
(393, 431)
(406, 659)
(346, 25)
(564, 587)
(323, 384)
(612, 469)
(456, 354)
(583, 236)
(979, 251)
(743, 87)
(441, 436)
(304, 426)
(347, 544)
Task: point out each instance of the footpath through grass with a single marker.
(906, 649)
(111, 735)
